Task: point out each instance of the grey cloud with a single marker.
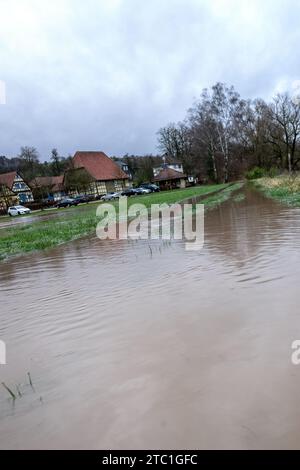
(107, 74)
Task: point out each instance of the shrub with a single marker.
(256, 173)
(273, 171)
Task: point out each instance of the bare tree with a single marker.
(215, 133)
(29, 154)
(29, 162)
(226, 107)
(56, 162)
(204, 133)
(174, 141)
(286, 128)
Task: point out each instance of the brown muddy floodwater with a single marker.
(171, 350)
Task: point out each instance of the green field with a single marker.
(73, 223)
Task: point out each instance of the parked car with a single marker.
(18, 210)
(99, 197)
(129, 192)
(143, 190)
(67, 202)
(83, 198)
(152, 187)
(110, 196)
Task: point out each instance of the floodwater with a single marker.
(39, 216)
(131, 346)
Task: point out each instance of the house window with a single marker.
(23, 197)
(118, 185)
(101, 187)
(20, 186)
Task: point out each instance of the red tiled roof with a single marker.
(54, 182)
(8, 179)
(99, 166)
(169, 174)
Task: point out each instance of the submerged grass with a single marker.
(18, 387)
(239, 198)
(77, 222)
(285, 188)
(216, 199)
(9, 390)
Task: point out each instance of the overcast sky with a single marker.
(106, 74)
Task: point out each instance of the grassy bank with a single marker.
(74, 223)
(285, 189)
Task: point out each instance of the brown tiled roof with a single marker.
(8, 179)
(54, 182)
(98, 165)
(169, 174)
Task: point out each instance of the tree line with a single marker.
(225, 136)
(29, 165)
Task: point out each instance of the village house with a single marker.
(49, 187)
(174, 165)
(168, 178)
(177, 166)
(17, 187)
(106, 175)
(7, 198)
(124, 167)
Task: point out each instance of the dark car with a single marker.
(152, 187)
(67, 202)
(129, 192)
(142, 190)
(83, 198)
(99, 197)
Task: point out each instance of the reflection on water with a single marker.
(131, 346)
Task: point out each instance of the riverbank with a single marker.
(74, 223)
(285, 189)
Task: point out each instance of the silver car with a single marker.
(110, 196)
